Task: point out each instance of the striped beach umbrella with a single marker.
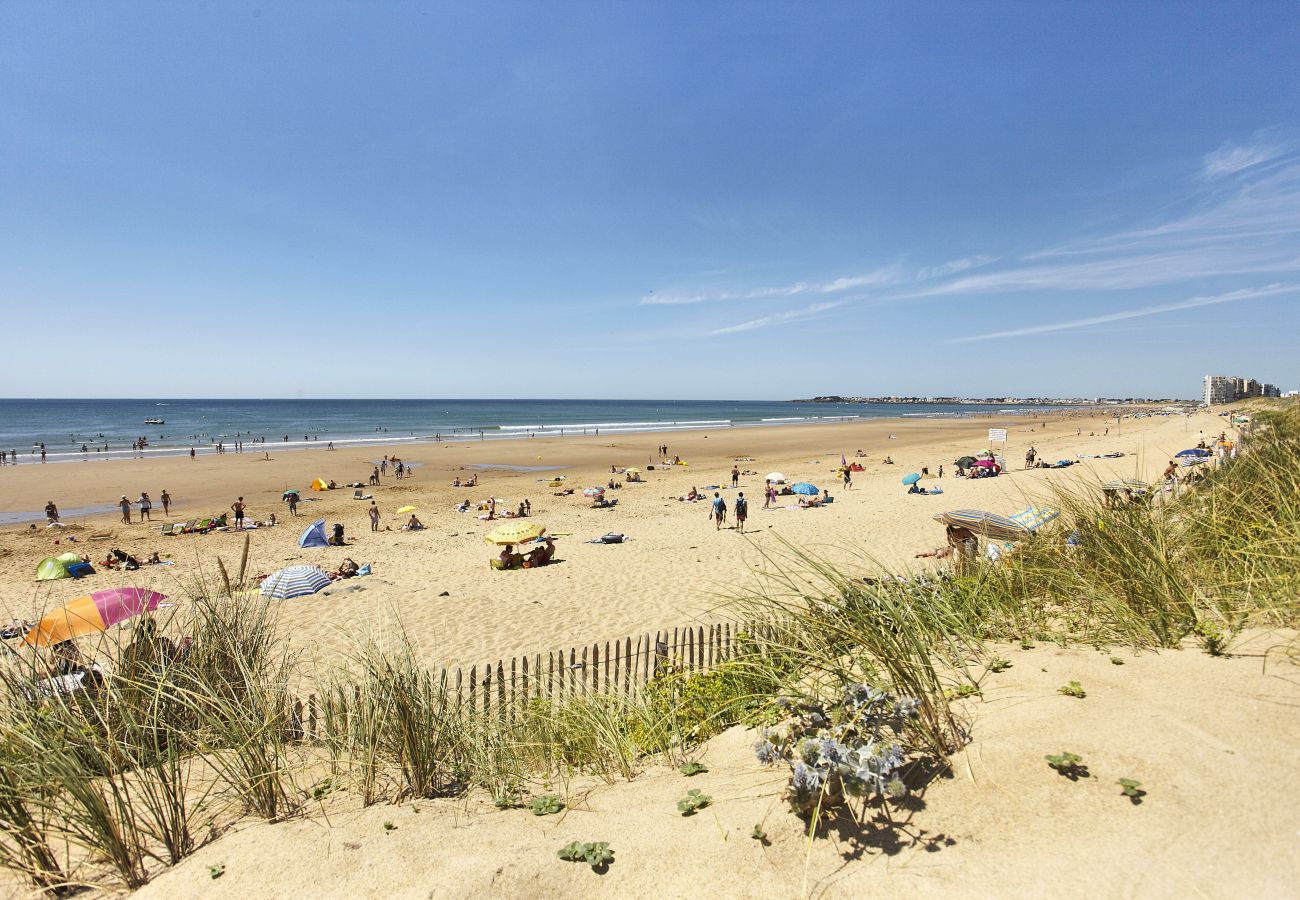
(593, 491)
(985, 524)
(1125, 484)
(294, 581)
(93, 612)
(1195, 451)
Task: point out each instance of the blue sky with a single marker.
(647, 200)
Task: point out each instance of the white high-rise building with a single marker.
(1219, 389)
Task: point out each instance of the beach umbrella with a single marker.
(1034, 517)
(93, 612)
(593, 491)
(406, 509)
(294, 581)
(984, 463)
(631, 470)
(288, 493)
(1195, 451)
(964, 462)
(911, 479)
(806, 489)
(775, 477)
(1192, 461)
(515, 533)
(985, 524)
(1125, 484)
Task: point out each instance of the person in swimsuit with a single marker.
(125, 506)
(166, 499)
(238, 508)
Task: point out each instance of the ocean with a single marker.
(107, 429)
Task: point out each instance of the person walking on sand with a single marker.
(145, 506)
(125, 506)
(735, 476)
(166, 499)
(741, 510)
(293, 504)
(719, 510)
(848, 478)
(374, 516)
(238, 508)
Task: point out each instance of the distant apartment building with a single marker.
(1220, 389)
(1228, 389)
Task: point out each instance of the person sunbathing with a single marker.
(809, 502)
(463, 506)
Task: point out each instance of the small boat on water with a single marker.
(154, 422)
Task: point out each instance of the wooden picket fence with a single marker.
(619, 668)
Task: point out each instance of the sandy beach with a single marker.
(674, 569)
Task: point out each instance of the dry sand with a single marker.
(671, 572)
(1212, 740)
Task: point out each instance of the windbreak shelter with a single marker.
(315, 535)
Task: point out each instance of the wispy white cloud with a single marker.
(880, 278)
(780, 318)
(1230, 158)
(953, 266)
(1271, 290)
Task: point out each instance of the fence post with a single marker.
(473, 690)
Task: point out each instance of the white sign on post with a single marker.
(997, 434)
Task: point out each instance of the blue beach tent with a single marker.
(314, 536)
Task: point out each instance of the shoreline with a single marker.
(498, 433)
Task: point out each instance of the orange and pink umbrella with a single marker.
(93, 612)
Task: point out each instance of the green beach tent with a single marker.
(51, 568)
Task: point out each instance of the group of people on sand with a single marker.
(124, 504)
(540, 555)
(472, 481)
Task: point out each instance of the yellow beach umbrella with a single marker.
(406, 509)
(515, 533)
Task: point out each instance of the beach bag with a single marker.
(612, 538)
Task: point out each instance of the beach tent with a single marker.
(93, 612)
(51, 568)
(314, 536)
(295, 581)
(1035, 517)
(320, 485)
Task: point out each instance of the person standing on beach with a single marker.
(742, 511)
(735, 476)
(145, 505)
(125, 506)
(767, 493)
(238, 508)
(848, 478)
(42, 454)
(51, 511)
(166, 499)
(293, 504)
(719, 511)
(191, 453)
(1030, 455)
(374, 516)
